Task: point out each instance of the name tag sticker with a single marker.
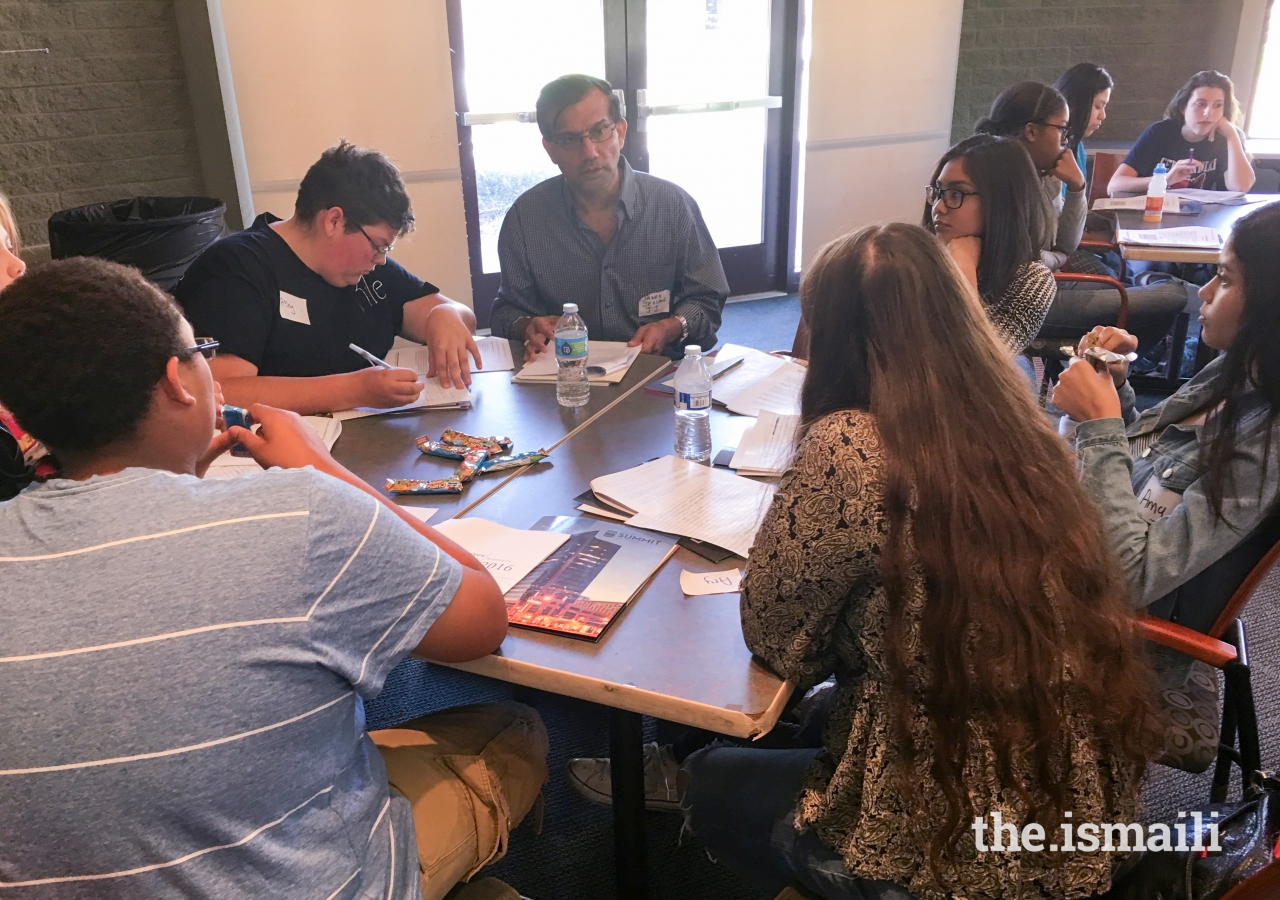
(1155, 501)
(294, 308)
(655, 304)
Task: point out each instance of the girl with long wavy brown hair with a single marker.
(931, 548)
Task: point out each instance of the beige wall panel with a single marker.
(846, 189)
(436, 251)
(881, 67)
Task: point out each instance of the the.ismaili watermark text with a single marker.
(1000, 836)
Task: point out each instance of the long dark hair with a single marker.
(1025, 605)
(1015, 220)
(1251, 360)
(1078, 86)
(1210, 78)
(1025, 102)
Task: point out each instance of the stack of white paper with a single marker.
(608, 361)
(228, 466)
(1225, 198)
(434, 396)
(508, 553)
(755, 366)
(677, 496)
(1195, 237)
(1171, 203)
(767, 446)
(779, 391)
(495, 353)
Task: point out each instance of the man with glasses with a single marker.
(630, 249)
(286, 299)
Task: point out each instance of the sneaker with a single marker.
(591, 777)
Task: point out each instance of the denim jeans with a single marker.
(740, 802)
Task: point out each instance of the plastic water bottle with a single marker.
(1155, 194)
(693, 406)
(572, 388)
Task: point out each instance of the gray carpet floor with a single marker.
(572, 859)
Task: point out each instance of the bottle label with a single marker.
(1155, 206)
(571, 348)
(693, 401)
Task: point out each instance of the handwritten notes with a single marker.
(695, 584)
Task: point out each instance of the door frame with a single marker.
(750, 269)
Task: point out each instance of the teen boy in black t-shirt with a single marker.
(286, 298)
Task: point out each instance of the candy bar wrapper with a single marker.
(435, 448)
(495, 446)
(470, 465)
(410, 486)
(498, 463)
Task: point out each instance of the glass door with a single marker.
(706, 94)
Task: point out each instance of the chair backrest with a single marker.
(1105, 164)
(1261, 885)
(1213, 599)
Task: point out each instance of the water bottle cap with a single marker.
(692, 350)
(570, 308)
(1160, 169)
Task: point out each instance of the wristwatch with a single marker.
(684, 327)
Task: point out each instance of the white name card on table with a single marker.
(434, 396)
(1193, 237)
(228, 466)
(696, 584)
(508, 553)
(613, 357)
(495, 355)
(1171, 203)
(767, 446)
(676, 496)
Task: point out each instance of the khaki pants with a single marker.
(471, 774)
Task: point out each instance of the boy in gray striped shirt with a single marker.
(183, 663)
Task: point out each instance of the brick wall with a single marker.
(1150, 47)
(103, 115)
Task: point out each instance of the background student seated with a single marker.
(1197, 140)
(286, 298)
(185, 662)
(983, 651)
(630, 249)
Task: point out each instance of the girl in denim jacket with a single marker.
(1188, 481)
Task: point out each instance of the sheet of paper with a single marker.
(1171, 203)
(508, 553)
(1197, 237)
(495, 353)
(433, 396)
(421, 513)
(677, 496)
(1224, 198)
(695, 584)
(767, 446)
(615, 357)
(602, 513)
(228, 466)
(778, 391)
(755, 366)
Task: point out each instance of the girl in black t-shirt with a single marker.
(1197, 140)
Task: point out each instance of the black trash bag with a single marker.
(161, 236)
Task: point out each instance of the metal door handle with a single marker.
(528, 117)
(644, 110)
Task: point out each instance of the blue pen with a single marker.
(381, 363)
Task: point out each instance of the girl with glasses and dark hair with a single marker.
(1197, 140)
(932, 549)
(984, 204)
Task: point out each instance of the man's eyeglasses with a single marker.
(1062, 130)
(206, 347)
(598, 134)
(377, 251)
(953, 198)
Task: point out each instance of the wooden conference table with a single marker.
(678, 658)
(1213, 215)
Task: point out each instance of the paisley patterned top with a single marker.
(813, 605)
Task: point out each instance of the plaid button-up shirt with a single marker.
(550, 257)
